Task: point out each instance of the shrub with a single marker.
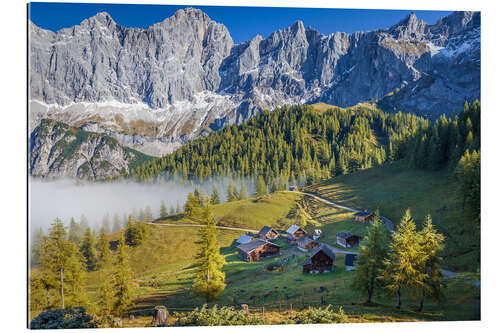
(63, 318)
(319, 316)
(218, 317)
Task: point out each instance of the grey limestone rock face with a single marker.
(191, 78)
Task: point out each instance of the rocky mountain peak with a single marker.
(409, 27)
(188, 70)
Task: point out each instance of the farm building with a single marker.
(363, 217)
(346, 239)
(257, 249)
(322, 260)
(294, 233)
(268, 233)
(306, 243)
(243, 239)
(350, 260)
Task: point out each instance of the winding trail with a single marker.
(199, 226)
(388, 223)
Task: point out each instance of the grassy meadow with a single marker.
(163, 265)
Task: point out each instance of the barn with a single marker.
(322, 260)
(268, 233)
(346, 239)
(364, 217)
(306, 243)
(294, 233)
(257, 249)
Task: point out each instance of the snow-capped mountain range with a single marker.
(154, 89)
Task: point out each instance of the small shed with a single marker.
(317, 234)
(294, 233)
(364, 217)
(322, 260)
(243, 239)
(350, 260)
(293, 188)
(346, 239)
(268, 233)
(306, 243)
(257, 249)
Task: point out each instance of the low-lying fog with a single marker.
(66, 198)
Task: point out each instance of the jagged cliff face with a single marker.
(153, 89)
(58, 151)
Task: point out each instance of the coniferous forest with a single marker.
(296, 142)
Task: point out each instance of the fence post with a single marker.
(291, 307)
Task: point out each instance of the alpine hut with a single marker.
(322, 260)
(346, 239)
(268, 233)
(257, 249)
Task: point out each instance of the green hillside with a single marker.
(163, 267)
(393, 187)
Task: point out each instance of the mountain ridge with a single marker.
(185, 77)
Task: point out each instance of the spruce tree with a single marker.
(88, 250)
(209, 278)
(163, 210)
(261, 188)
(75, 233)
(243, 191)
(432, 244)
(214, 197)
(122, 280)
(370, 262)
(231, 192)
(103, 250)
(274, 186)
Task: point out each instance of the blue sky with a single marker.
(242, 22)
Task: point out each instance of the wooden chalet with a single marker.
(364, 217)
(350, 260)
(322, 260)
(268, 233)
(257, 249)
(294, 233)
(306, 243)
(346, 239)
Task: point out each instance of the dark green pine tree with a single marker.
(261, 188)
(163, 210)
(88, 250)
(243, 191)
(214, 197)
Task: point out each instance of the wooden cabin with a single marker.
(364, 217)
(294, 233)
(243, 239)
(257, 249)
(322, 260)
(268, 233)
(350, 260)
(306, 243)
(348, 240)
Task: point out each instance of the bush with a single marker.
(63, 318)
(318, 316)
(218, 317)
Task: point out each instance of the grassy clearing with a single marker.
(393, 188)
(272, 210)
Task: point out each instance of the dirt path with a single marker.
(199, 226)
(388, 223)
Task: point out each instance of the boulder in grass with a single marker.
(160, 316)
